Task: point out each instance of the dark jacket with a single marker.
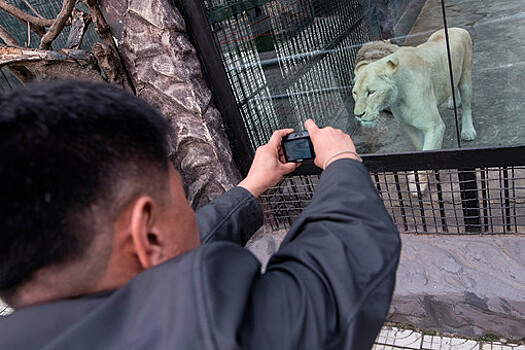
(328, 287)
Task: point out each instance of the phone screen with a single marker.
(297, 150)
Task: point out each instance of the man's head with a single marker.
(87, 196)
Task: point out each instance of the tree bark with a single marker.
(165, 71)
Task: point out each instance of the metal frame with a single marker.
(472, 165)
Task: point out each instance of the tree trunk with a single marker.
(165, 71)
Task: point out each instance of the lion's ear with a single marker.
(392, 65)
(359, 65)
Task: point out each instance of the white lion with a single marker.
(412, 82)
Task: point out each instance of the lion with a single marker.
(412, 82)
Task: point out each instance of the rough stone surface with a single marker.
(466, 285)
(166, 72)
(469, 285)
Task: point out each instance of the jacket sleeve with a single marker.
(234, 216)
(330, 284)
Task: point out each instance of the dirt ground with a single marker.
(498, 76)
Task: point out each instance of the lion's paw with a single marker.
(468, 134)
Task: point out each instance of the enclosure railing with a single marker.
(456, 191)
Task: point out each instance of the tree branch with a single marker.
(58, 24)
(7, 37)
(32, 9)
(37, 24)
(10, 55)
(106, 51)
(28, 64)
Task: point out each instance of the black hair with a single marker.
(65, 146)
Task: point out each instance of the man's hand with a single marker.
(327, 142)
(268, 165)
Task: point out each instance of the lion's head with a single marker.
(374, 88)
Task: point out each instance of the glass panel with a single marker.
(497, 29)
(289, 60)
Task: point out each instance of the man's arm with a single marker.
(330, 284)
(234, 216)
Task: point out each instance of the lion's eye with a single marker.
(370, 92)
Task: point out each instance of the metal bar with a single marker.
(308, 92)
(484, 197)
(400, 198)
(513, 179)
(469, 200)
(506, 192)
(454, 205)
(461, 159)
(431, 199)
(378, 185)
(458, 138)
(440, 201)
(195, 16)
(390, 203)
(420, 202)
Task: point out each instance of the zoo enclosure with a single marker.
(289, 60)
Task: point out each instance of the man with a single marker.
(99, 248)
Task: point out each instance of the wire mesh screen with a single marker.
(288, 60)
(447, 201)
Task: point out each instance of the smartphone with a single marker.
(297, 147)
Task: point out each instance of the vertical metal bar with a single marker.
(400, 198)
(458, 138)
(411, 204)
(515, 216)
(506, 194)
(432, 206)
(452, 192)
(420, 202)
(440, 201)
(469, 200)
(387, 190)
(378, 185)
(484, 196)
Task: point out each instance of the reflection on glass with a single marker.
(289, 60)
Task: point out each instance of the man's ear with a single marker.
(145, 234)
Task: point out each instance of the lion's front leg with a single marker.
(432, 139)
(433, 136)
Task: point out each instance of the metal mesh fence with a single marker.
(448, 201)
(289, 60)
